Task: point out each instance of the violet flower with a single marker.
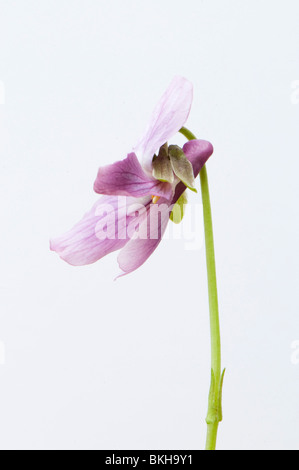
(144, 186)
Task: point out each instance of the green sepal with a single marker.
(178, 210)
(162, 168)
(181, 166)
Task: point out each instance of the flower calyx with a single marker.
(171, 162)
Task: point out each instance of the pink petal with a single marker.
(138, 250)
(127, 178)
(198, 152)
(83, 244)
(169, 116)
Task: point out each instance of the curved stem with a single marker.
(214, 415)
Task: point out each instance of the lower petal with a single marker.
(84, 244)
(139, 248)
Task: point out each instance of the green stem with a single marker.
(214, 415)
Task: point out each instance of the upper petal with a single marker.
(127, 178)
(169, 116)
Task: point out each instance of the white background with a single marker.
(95, 364)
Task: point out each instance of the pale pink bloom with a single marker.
(131, 181)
